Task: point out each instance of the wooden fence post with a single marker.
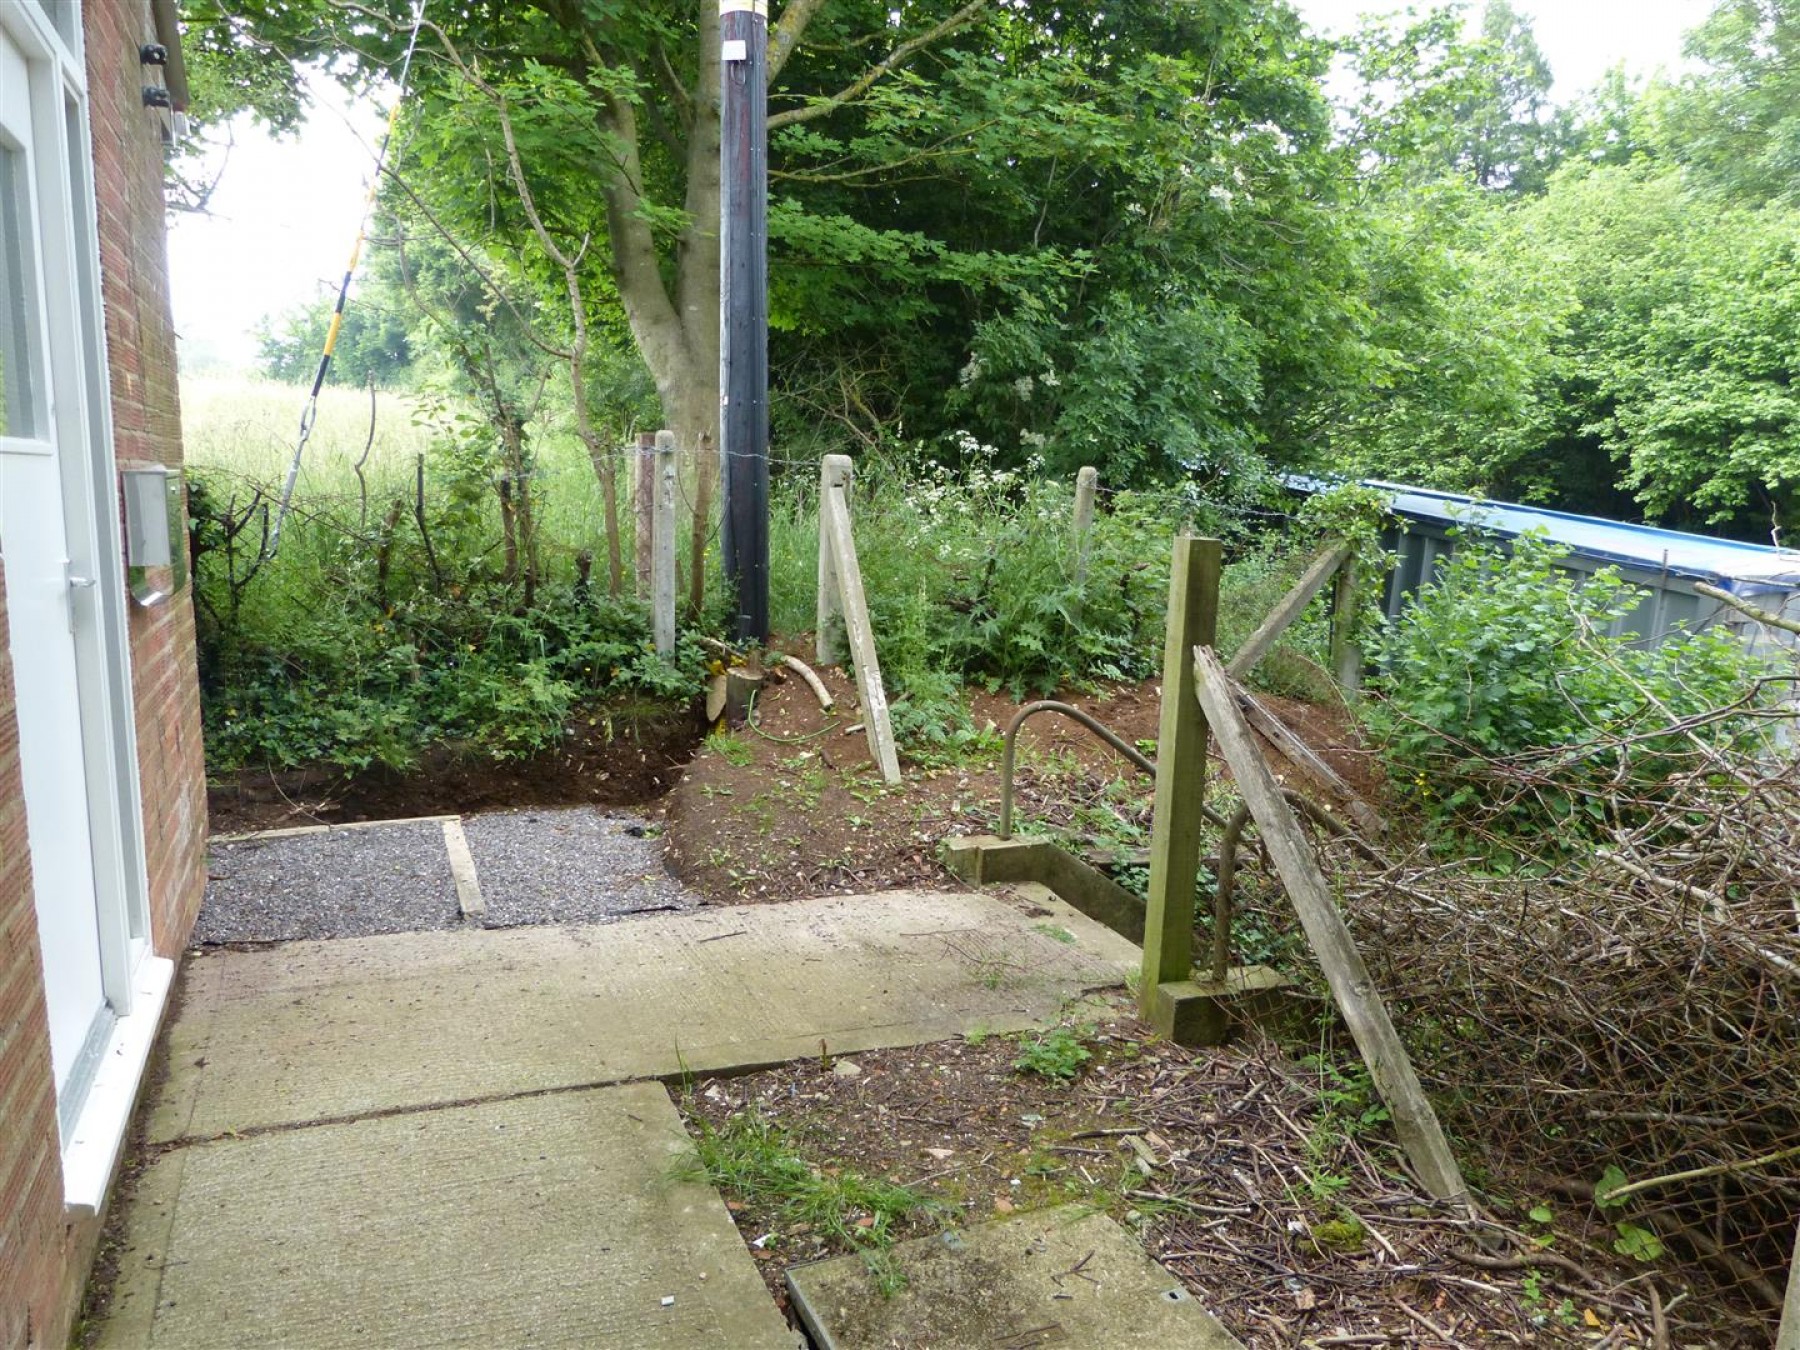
(662, 536)
(1352, 987)
(1180, 777)
(834, 473)
(643, 499)
(1346, 651)
(706, 470)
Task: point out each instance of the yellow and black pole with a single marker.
(744, 310)
(310, 412)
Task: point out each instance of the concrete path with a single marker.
(547, 1221)
(421, 1138)
(1064, 1276)
(317, 1031)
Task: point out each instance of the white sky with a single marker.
(285, 214)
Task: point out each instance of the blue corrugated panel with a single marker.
(1744, 569)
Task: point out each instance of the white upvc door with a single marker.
(63, 581)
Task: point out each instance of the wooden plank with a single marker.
(1302, 756)
(1180, 771)
(1292, 605)
(1351, 985)
(1788, 1336)
(662, 537)
(834, 472)
(877, 725)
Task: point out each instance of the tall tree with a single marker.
(1434, 99)
(611, 105)
(1737, 121)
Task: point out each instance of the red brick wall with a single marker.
(43, 1254)
(146, 413)
(34, 1248)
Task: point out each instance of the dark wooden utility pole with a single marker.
(744, 310)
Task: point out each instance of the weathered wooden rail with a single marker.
(843, 611)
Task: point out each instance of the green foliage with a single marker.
(1680, 362)
(1434, 100)
(1464, 314)
(1057, 1054)
(1347, 1097)
(1508, 654)
(1736, 119)
(751, 1157)
(1611, 1179)
(355, 646)
(1638, 1243)
(973, 576)
(374, 345)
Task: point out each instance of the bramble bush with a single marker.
(1509, 661)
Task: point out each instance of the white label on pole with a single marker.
(735, 49)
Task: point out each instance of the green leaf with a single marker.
(1610, 1180)
(1640, 1244)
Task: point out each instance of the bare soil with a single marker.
(610, 755)
(1291, 1221)
(791, 805)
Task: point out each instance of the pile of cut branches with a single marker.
(1618, 1013)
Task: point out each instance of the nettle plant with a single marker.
(1507, 663)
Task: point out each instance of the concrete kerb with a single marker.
(296, 831)
(988, 860)
(462, 867)
(1195, 1012)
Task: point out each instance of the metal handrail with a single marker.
(1229, 843)
(1093, 724)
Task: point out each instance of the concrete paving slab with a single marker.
(570, 865)
(337, 1030)
(332, 883)
(1061, 1277)
(546, 1221)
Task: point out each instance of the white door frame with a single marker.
(81, 423)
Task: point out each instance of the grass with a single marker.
(751, 1158)
(243, 431)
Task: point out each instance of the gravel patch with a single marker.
(340, 883)
(570, 865)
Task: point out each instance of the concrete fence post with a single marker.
(662, 535)
(1087, 483)
(835, 477)
(643, 499)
